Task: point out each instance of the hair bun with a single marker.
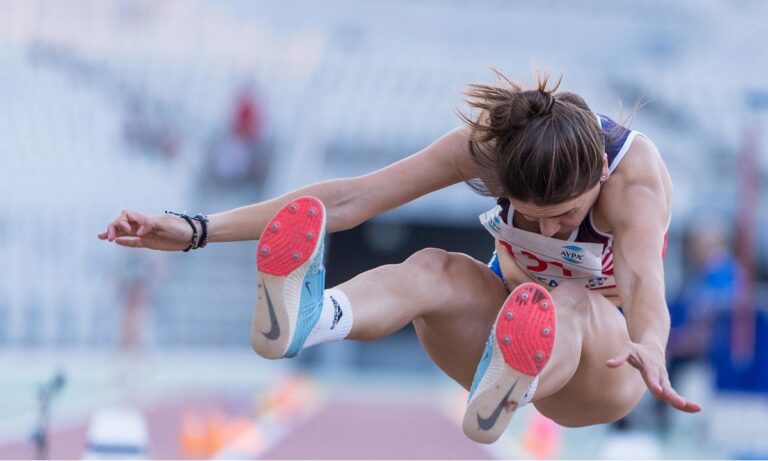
(539, 101)
(527, 153)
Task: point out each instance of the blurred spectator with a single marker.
(246, 120)
(241, 155)
(149, 128)
(138, 271)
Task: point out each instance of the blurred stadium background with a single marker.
(201, 105)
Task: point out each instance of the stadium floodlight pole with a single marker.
(44, 395)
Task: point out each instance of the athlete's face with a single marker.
(561, 219)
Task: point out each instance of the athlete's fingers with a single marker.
(113, 232)
(671, 396)
(129, 242)
(125, 222)
(120, 222)
(110, 232)
(145, 226)
(103, 235)
(143, 223)
(130, 220)
(653, 381)
(667, 391)
(677, 401)
(112, 228)
(618, 359)
(117, 227)
(691, 407)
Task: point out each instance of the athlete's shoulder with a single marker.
(639, 180)
(642, 162)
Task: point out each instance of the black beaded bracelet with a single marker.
(193, 243)
(203, 219)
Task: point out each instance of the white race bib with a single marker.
(547, 259)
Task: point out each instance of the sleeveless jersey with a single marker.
(586, 256)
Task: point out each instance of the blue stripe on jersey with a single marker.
(615, 137)
(495, 266)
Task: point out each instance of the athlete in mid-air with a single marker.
(569, 313)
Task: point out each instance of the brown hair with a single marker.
(533, 145)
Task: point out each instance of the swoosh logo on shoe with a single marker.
(274, 332)
(306, 284)
(487, 423)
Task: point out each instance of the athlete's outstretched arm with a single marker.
(639, 209)
(349, 201)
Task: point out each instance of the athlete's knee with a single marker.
(451, 278)
(430, 261)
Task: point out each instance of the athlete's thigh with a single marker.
(454, 338)
(596, 393)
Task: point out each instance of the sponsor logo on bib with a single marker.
(573, 254)
(495, 222)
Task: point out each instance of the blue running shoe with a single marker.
(518, 348)
(289, 260)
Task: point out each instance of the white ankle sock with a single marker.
(335, 320)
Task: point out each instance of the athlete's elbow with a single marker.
(340, 218)
(345, 209)
(348, 214)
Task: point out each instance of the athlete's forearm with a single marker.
(248, 222)
(639, 272)
(646, 312)
(640, 225)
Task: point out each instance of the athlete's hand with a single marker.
(135, 230)
(650, 361)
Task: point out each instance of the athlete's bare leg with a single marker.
(577, 388)
(453, 300)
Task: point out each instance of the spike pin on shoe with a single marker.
(518, 348)
(289, 260)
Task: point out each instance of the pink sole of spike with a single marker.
(525, 329)
(291, 236)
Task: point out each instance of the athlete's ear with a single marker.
(605, 165)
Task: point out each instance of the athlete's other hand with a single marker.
(650, 361)
(135, 230)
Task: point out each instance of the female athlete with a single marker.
(569, 314)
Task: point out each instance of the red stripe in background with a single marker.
(743, 325)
